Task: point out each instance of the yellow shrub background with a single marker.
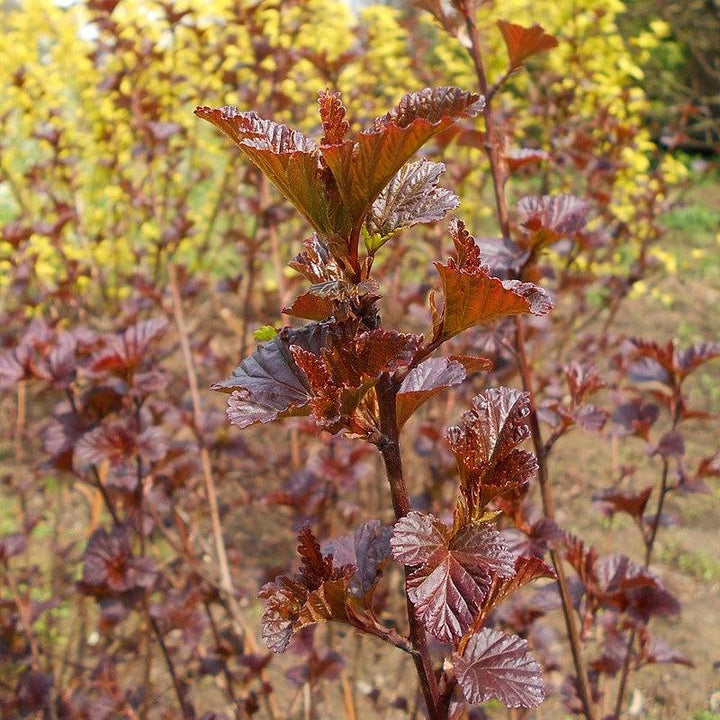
(54, 79)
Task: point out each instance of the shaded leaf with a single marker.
(547, 218)
(654, 649)
(520, 157)
(124, 352)
(367, 549)
(309, 306)
(425, 381)
(497, 665)
(268, 384)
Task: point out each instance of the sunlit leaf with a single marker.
(362, 168)
(288, 158)
(472, 297)
(411, 197)
(452, 571)
(523, 42)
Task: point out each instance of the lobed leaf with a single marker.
(323, 592)
(548, 218)
(269, 384)
(497, 665)
(472, 297)
(452, 571)
(289, 159)
(485, 447)
(364, 167)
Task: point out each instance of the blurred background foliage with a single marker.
(104, 168)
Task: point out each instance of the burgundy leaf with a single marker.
(656, 650)
(425, 381)
(110, 567)
(11, 545)
(452, 572)
(527, 569)
(320, 592)
(496, 665)
(628, 502)
(485, 446)
(367, 549)
(125, 352)
(520, 157)
(268, 384)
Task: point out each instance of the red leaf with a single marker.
(548, 218)
(656, 650)
(310, 307)
(485, 447)
(425, 381)
(520, 157)
(320, 592)
(125, 352)
(473, 297)
(364, 167)
(455, 570)
(367, 550)
(289, 159)
(527, 569)
(628, 502)
(332, 114)
(497, 665)
(522, 42)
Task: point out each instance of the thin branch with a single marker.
(226, 582)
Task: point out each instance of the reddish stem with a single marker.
(389, 446)
(492, 147)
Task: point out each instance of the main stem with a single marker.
(389, 447)
(492, 147)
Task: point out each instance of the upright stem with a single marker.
(649, 547)
(492, 141)
(389, 447)
(226, 582)
(492, 146)
(548, 504)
